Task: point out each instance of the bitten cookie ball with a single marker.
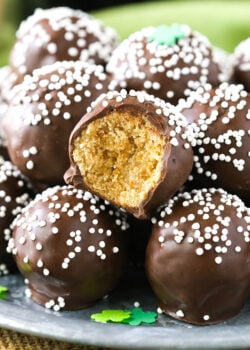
(15, 193)
(197, 259)
(222, 152)
(43, 112)
(131, 149)
(60, 34)
(241, 64)
(70, 246)
(166, 61)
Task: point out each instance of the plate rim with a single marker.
(113, 335)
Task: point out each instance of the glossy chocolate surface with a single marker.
(42, 114)
(197, 258)
(15, 193)
(241, 64)
(70, 246)
(60, 34)
(222, 157)
(146, 61)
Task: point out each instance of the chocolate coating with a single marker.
(169, 71)
(139, 232)
(15, 193)
(70, 246)
(197, 259)
(60, 34)
(4, 73)
(8, 80)
(222, 157)
(241, 64)
(177, 156)
(43, 112)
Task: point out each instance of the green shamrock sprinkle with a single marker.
(134, 317)
(3, 292)
(117, 316)
(167, 35)
(138, 316)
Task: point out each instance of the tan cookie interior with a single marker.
(120, 157)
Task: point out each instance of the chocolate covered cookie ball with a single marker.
(241, 64)
(197, 259)
(15, 193)
(60, 34)
(8, 79)
(43, 112)
(222, 152)
(4, 74)
(166, 61)
(224, 60)
(70, 246)
(131, 149)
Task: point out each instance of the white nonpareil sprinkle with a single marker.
(199, 251)
(180, 313)
(206, 317)
(218, 260)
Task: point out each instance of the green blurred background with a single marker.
(225, 23)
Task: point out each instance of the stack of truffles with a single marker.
(133, 152)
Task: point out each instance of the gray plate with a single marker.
(21, 314)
